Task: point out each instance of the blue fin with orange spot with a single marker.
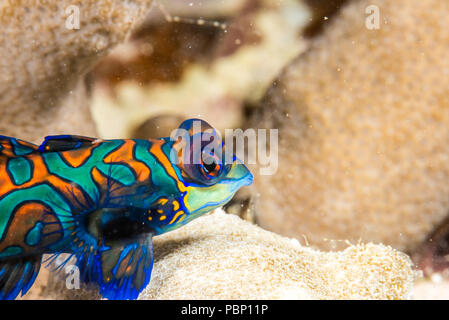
(18, 275)
(126, 269)
(64, 143)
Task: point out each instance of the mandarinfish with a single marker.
(102, 201)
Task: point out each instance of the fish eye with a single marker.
(210, 165)
(205, 165)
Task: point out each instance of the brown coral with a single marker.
(322, 11)
(363, 122)
(43, 62)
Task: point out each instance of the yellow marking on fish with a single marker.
(150, 218)
(176, 216)
(182, 218)
(175, 205)
(162, 201)
(162, 218)
(160, 211)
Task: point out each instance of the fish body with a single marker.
(102, 201)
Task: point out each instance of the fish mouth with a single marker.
(245, 175)
(242, 177)
(248, 180)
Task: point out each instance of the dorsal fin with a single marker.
(64, 143)
(12, 147)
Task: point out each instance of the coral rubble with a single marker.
(220, 256)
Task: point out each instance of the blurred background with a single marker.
(174, 70)
(358, 90)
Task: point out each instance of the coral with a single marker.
(43, 62)
(363, 121)
(220, 256)
(203, 72)
(159, 51)
(322, 10)
(205, 8)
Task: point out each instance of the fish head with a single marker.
(210, 174)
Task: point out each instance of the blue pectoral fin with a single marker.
(17, 275)
(126, 269)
